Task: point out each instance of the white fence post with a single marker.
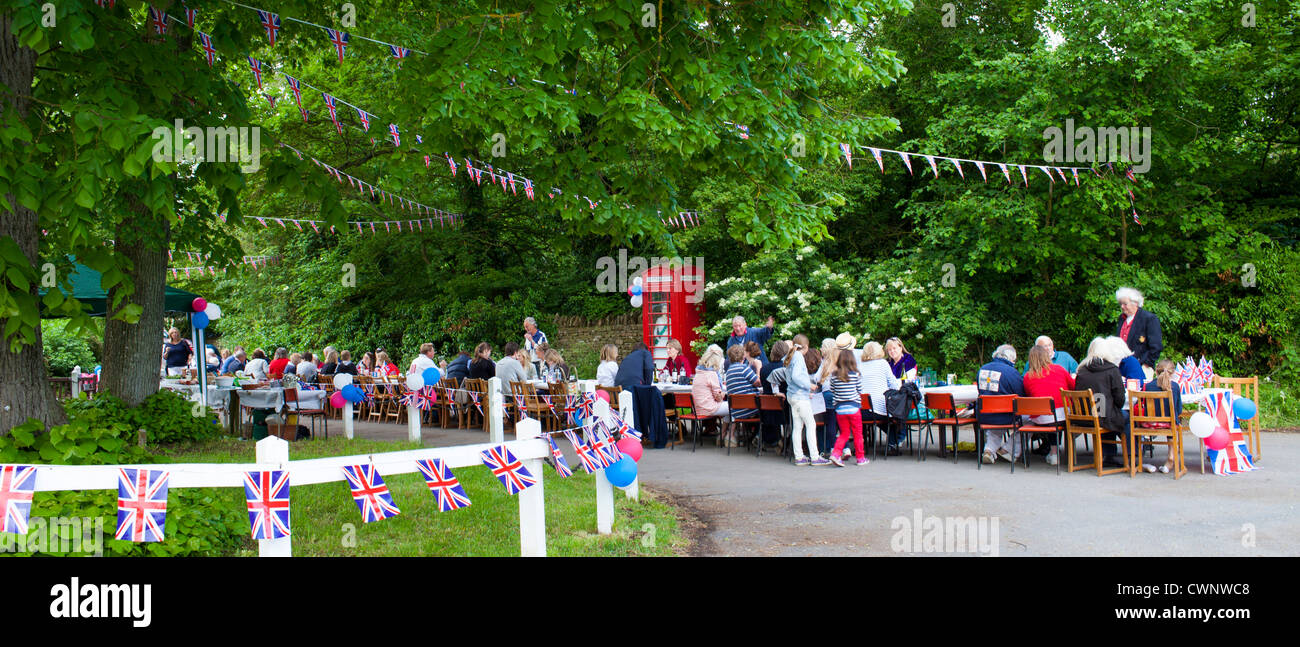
(273, 449)
(347, 420)
(496, 411)
(625, 409)
(604, 489)
(413, 423)
(75, 383)
(532, 501)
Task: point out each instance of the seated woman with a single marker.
(741, 380)
(482, 367)
(331, 365)
(1099, 371)
(706, 388)
(901, 362)
(345, 363)
(877, 377)
(367, 365)
(1164, 381)
(384, 366)
(608, 365)
(556, 370)
(678, 364)
(1129, 366)
(258, 366)
(1045, 379)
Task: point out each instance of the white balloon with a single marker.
(414, 381)
(1202, 425)
(213, 311)
(636, 281)
(341, 380)
(636, 301)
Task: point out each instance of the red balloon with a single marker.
(1218, 440)
(602, 394)
(630, 446)
(199, 304)
(337, 400)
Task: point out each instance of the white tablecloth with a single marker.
(961, 393)
(273, 398)
(669, 387)
(218, 397)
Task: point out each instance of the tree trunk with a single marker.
(25, 390)
(133, 352)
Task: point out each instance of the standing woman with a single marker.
(1139, 329)
(901, 362)
(799, 396)
(176, 352)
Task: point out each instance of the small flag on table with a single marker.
(451, 495)
(17, 486)
(508, 469)
(370, 493)
(141, 504)
(267, 495)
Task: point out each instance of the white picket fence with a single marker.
(273, 454)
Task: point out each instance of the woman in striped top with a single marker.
(878, 377)
(741, 380)
(846, 385)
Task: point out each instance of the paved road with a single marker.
(754, 506)
(764, 506)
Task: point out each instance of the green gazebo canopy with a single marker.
(86, 289)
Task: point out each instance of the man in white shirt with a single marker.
(533, 337)
(424, 360)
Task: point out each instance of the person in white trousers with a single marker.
(798, 395)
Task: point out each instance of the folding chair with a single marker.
(291, 398)
(687, 401)
(986, 405)
(947, 408)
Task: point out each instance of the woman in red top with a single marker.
(1043, 379)
(276, 369)
(384, 365)
(677, 363)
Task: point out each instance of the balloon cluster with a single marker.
(204, 312)
(347, 391)
(634, 291)
(1205, 427)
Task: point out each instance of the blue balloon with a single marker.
(636, 289)
(1244, 408)
(622, 473)
(431, 376)
(200, 320)
(353, 393)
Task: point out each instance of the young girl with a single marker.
(1164, 381)
(821, 381)
(846, 384)
(798, 385)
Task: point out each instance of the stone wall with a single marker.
(580, 340)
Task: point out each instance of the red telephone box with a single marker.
(666, 313)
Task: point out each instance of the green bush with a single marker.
(63, 351)
(200, 522)
(166, 416)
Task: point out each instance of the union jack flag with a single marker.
(605, 448)
(159, 20)
(550, 405)
(622, 428)
(1075, 171)
(267, 495)
(419, 139)
(297, 94)
(508, 469)
(875, 152)
(399, 52)
(472, 395)
(557, 459)
(1234, 458)
(205, 41)
(271, 100)
(571, 408)
(934, 166)
(907, 161)
(1024, 174)
(958, 165)
(451, 161)
(256, 66)
(340, 40)
(333, 108)
(392, 130)
(1005, 173)
(519, 406)
(141, 504)
(847, 151)
(1128, 173)
(365, 119)
(190, 14)
(109, 2)
(271, 23)
(586, 456)
(744, 131)
(1206, 371)
(451, 495)
(17, 486)
(980, 166)
(370, 493)
(588, 404)
(528, 187)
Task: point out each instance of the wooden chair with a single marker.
(987, 405)
(1242, 387)
(771, 403)
(291, 403)
(686, 401)
(466, 418)
(1152, 415)
(739, 402)
(533, 405)
(1081, 419)
(947, 408)
(391, 391)
(447, 400)
(1034, 407)
(869, 427)
(559, 392)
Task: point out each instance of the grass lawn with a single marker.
(326, 521)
